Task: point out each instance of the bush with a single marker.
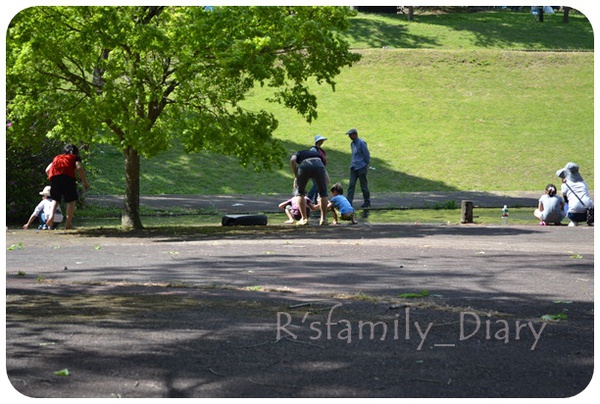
(26, 177)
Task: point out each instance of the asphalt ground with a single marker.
(275, 312)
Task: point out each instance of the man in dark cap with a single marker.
(359, 167)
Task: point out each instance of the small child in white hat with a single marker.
(43, 211)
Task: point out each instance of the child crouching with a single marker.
(292, 209)
(339, 203)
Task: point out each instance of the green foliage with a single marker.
(422, 293)
(62, 372)
(554, 317)
(16, 246)
(137, 78)
(26, 176)
(451, 204)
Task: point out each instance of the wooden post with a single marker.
(466, 211)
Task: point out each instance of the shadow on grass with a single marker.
(490, 30)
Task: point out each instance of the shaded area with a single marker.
(359, 232)
(492, 30)
(236, 203)
(391, 32)
(176, 345)
(167, 170)
(187, 316)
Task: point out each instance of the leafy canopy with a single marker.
(137, 77)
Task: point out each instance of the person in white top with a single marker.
(43, 211)
(576, 194)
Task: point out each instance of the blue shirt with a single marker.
(342, 204)
(360, 154)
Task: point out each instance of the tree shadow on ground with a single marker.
(202, 319)
(223, 343)
(378, 231)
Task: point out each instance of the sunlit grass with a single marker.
(448, 104)
(428, 129)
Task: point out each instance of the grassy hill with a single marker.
(449, 102)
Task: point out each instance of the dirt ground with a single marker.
(346, 311)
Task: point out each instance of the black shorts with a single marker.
(63, 186)
(314, 169)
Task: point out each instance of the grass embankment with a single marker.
(434, 121)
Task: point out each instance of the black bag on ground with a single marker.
(244, 220)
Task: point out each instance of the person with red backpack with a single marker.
(63, 182)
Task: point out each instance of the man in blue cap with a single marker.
(359, 167)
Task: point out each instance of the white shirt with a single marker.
(46, 206)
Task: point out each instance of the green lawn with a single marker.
(448, 102)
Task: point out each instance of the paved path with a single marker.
(367, 258)
(268, 203)
(196, 314)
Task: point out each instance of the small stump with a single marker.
(466, 211)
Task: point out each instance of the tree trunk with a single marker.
(566, 14)
(131, 209)
(411, 13)
(466, 212)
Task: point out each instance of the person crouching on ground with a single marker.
(292, 209)
(307, 164)
(63, 182)
(43, 211)
(550, 207)
(340, 203)
(576, 194)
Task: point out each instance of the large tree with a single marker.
(139, 77)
